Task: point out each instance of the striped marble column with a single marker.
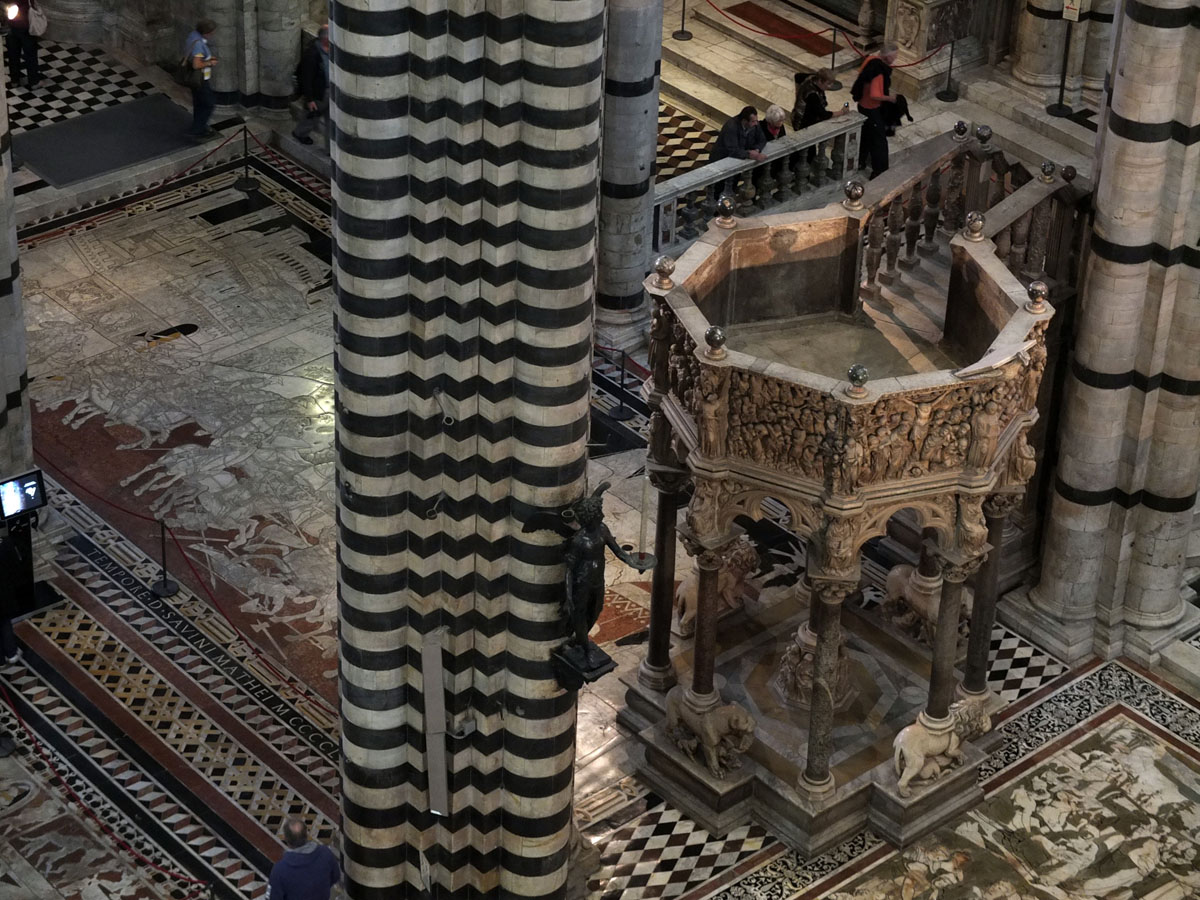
(632, 54)
(1128, 467)
(465, 169)
(16, 439)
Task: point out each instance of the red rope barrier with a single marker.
(284, 678)
(929, 55)
(767, 33)
(117, 839)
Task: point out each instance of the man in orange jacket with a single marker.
(872, 89)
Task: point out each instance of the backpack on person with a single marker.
(37, 19)
(186, 72)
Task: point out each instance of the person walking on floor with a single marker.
(313, 75)
(740, 138)
(22, 45)
(204, 101)
(871, 90)
(308, 870)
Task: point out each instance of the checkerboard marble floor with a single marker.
(683, 143)
(75, 81)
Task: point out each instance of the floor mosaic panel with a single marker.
(683, 143)
(75, 81)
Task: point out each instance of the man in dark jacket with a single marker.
(740, 138)
(314, 83)
(306, 871)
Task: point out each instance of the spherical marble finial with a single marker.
(854, 191)
(725, 209)
(715, 337)
(1048, 170)
(857, 375)
(974, 226)
(663, 267)
(1069, 173)
(960, 130)
(1038, 292)
(983, 134)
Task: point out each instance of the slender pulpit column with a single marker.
(983, 609)
(827, 622)
(656, 671)
(955, 570)
(710, 555)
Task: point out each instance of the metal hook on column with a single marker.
(447, 418)
(432, 512)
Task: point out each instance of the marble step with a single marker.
(778, 49)
(730, 66)
(984, 88)
(693, 95)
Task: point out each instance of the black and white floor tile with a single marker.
(664, 854)
(75, 81)
(683, 143)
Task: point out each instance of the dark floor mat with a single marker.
(778, 26)
(105, 141)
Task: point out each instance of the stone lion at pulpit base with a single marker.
(732, 580)
(723, 733)
(922, 753)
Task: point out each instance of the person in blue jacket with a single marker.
(308, 870)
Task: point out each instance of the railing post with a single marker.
(803, 169)
(1020, 235)
(895, 227)
(1003, 241)
(786, 176)
(933, 198)
(1039, 237)
(837, 154)
(912, 229)
(870, 289)
(764, 186)
(952, 201)
(819, 164)
(689, 216)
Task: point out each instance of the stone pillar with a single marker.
(416, 302)
(983, 609)
(227, 46)
(278, 52)
(76, 21)
(1128, 469)
(16, 438)
(632, 55)
(955, 570)
(656, 671)
(828, 624)
(1039, 47)
(1098, 47)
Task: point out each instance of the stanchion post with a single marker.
(948, 94)
(246, 183)
(164, 587)
(682, 34)
(622, 413)
(1060, 110)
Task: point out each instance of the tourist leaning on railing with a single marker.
(740, 138)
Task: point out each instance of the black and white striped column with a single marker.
(1129, 464)
(16, 439)
(632, 53)
(465, 168)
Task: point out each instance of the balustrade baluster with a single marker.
(933, 199)
(786, 175)
(837, 156)
(1003, 241)
(953, 200)
(745, 193)
(870, 289)
(973, 187)
(819, 164)
(803, 170)
(764, 186)
(689, 217)
(912, 228)
(895, 228)
(1020, 237)
(1039, 238)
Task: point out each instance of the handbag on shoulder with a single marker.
(37, 19)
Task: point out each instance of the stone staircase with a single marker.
(726, 65)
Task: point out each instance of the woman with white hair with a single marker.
(772, 123)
